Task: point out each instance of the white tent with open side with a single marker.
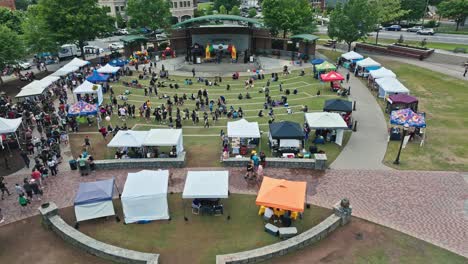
(165, 137)
(381, 73)
(367, 62)
(65, 70)
(49, 80)
(206, 185)
(32, 89)
(9, 125)
(90, 88)
(243, 129)
(94, 200)
(77, 62)
(352, 55)
(388, 86)
(144, 197)
(128, 138)
(108, 69)
(327, 120)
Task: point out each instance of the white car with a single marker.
(123, 31)
(116, 46)
(426, 31)
(24, 65)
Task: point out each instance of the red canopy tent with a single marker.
(331, 77)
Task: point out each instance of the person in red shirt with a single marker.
(36, 175)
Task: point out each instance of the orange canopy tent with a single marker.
(282, 194)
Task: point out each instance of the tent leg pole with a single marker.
(17, 140)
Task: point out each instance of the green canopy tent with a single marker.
(323, 68)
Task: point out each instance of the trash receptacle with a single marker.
(73, 165)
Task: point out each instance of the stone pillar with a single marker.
(47, 212)
(343, 210)
(320, 161)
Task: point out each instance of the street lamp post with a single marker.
(405, 130)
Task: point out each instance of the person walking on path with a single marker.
(27, 188)
(19, 189)
(466, 69)
(347, 77)
(23, 202)
(193, 72)
(3, 187)
(2, 218)
(82, 164)
(24, 156)
(52, 166)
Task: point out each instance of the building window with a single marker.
(188, 3)
(122, 8)
(175, 4)
(116, 9)
(171, 4)
(185, 3)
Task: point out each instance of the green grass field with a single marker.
(198, 139)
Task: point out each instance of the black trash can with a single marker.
(73, 165)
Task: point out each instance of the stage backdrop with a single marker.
(240, 41)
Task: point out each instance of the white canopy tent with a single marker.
(65, 70)
(32, 89)
(243, 129)
(327, 120)
(381, 73)
(9, 125)
(49, 80)
(108, 69)
(352, 55)
(206, 185)
(144, 197)
(388, 86)
(367, 62)
(89, 88)
(94, 200)
(77, 62)
(165, 137)
(128, 138)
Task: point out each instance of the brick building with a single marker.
(8, 3)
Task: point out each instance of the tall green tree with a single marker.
(74, 21)
(235, 11)
(387, 11)
(252, 12)
(152, 14)
(288, 16)
(228, 4)
(37, 36)
(352, 21)
(121, 22)
(11, 48)
(222, 10)
(416, 9)
(456, 9)
(11, 19)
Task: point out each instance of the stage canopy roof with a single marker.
(388, 86)
(243, 129)
(9, 125)
(339, 105)
(286, 130)
(93, 192)
(108, 69)
(325, 66)
(191, 21)
(206, 185)
(325, 120)
(282, 194)
(402, 99)
(307, 37)
(128, 138)
(77, 62)
(352, 56)
(367, 62)
(331, 76)
(381, 73)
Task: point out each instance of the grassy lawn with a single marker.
(202, 237)
(203, 144)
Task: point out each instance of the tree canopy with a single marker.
(11, 18)
(152, 14)
(11, 47)
(235, 11)
(288, 16)
(252, 12)
(222, 10)
(37, 36)
(416, 9)
(352, 21)
(456, 9)
(228, 4)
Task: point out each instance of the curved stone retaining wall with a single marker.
(53, 221)
(115, 164)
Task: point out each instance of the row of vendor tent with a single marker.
(108, 69)
(389, 85)
(352, 56)
(151, 138)
(37, 87)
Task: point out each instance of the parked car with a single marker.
(122, 31)
(92, 49)
(393, 28)
(415, 28)
(24, 65)
(116, 46)
(69, 50)
(426, 31)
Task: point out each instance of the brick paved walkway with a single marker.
(427, 205)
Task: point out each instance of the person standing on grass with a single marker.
(466, 69)
(193, 72)
(87, 142)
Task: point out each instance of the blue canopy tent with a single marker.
(317, 61)
(118, 62)
(98, 77)
(94, 200)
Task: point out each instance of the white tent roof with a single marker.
(128, 138)
(381, 73)
(65, 70)
(243, 129)
(86, 87)
(32, 89)
(144, 196)
(49, 80)
(9, 125)
(367, 62)
(352, 56)
(108, 69)
(391, 85)
(77, 62)
(163, 137)
(206, 184)
(325, 120)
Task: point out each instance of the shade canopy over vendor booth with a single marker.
(77, 62)
(381, 73)
(49, 80)
(327, 121)
(89, 88)
(338, 105)
(206, 185)
(243, 129)
(82, 109)
(325, 66)
(331, 77)
(317, 61)
(282, 194)
(34, 88)
(9, 125)
(401, 101)
(165, 137)
(144, 197)
(364, 66)
(94, 200)
(388, 86)
(286, 137)
(352, 55)
(407, 117)
(128, 139)
(108, 69)
(97, 77)
(65, 70)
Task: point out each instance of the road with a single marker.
(438, 37)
